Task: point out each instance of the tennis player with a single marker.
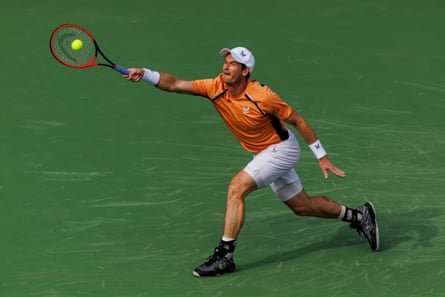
(256, 115)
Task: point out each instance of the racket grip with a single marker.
(121, 69)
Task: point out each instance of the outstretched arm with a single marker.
(311, 139)
(163, 81)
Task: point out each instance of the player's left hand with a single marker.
(326, 165)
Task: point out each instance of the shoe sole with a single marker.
(196, 274)
(376, 228)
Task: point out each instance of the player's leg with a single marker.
(221, 261)
(240, 186)
(363, 218)
(315, 206)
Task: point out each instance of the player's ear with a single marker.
(245, 70)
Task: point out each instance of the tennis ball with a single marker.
(76, 45)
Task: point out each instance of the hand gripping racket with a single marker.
(85, 55)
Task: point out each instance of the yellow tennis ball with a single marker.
(76, 45)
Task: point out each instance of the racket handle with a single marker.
(121, 69)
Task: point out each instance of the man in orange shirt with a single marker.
(256, 116)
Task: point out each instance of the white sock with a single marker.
(342, 213)
(227, 239)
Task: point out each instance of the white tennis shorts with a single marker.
(275, 167)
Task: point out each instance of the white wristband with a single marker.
(150, 76)
(317, 149)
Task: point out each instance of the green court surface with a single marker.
(114, 189)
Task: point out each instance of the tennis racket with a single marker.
(85, 55)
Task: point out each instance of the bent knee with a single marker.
(240, 186)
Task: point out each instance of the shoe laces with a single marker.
(355, 223)
(217, 255)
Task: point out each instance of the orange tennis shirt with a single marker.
(255, 117)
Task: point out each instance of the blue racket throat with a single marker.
(121, 69)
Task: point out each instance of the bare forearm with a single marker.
(306, 132)
(302, 127)
(161, 80)
(167, 82)
(170, 83)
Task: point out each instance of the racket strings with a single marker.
(61, 46)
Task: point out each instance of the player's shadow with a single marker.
(417, 228)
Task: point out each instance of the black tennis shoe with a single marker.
(367, 226)
(221, 262)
